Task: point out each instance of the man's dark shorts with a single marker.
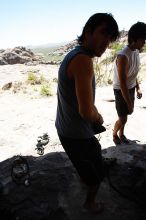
(121, 105)
(85, 154)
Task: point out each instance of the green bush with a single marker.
(144, 49)
(45, 90)
(116, 47)
(32, 78)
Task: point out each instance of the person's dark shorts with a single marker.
(85, 154)
(121, 105)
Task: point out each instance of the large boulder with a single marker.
(17, 55)
(56, 193)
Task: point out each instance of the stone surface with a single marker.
(18, 55)
(55, 191)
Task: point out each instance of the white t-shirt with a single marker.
(134, 63)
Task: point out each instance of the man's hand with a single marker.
(139, 94)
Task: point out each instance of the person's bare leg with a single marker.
(90, 203)
(122, 137)
(119, 125)
(121, 131)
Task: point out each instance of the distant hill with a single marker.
(49, 45)
(54, 53)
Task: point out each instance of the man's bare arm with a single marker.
(139, 93)
(81, 69)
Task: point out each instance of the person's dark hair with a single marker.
(137, 31)
(98, 19)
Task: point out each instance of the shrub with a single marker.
(144, 49)
(46, 90)
(32, 78)
(116, 47)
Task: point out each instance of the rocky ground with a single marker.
(55, 191)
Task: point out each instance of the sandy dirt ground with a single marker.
(24, 117)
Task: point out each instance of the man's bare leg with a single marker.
(121, 131)
(119, 127)
(90, 203)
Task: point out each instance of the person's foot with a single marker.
(116, 140)
(124, 140)
(94, 208)
(109, 161)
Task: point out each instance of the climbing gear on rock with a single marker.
(20, 171)
(42, 141)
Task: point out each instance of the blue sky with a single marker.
(36, 22)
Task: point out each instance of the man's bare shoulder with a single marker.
(81, 63)
(82, 58)
(121, 58)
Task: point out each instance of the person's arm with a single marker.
(139, 93)
(81, 70)
(122, 66)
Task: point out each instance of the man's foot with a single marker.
(116, 140)
(124, 140)
(109, 161)
(95, 208)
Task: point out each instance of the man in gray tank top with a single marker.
(125, 79)
(77, 119)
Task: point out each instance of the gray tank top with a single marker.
(69, 122)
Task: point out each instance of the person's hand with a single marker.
(130, 108)
(139, 94)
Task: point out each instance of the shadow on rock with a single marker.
(54, 191)
(50, 177)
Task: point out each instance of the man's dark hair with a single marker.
(98, 19)
(137, 31)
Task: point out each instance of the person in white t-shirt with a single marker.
(125, 79)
